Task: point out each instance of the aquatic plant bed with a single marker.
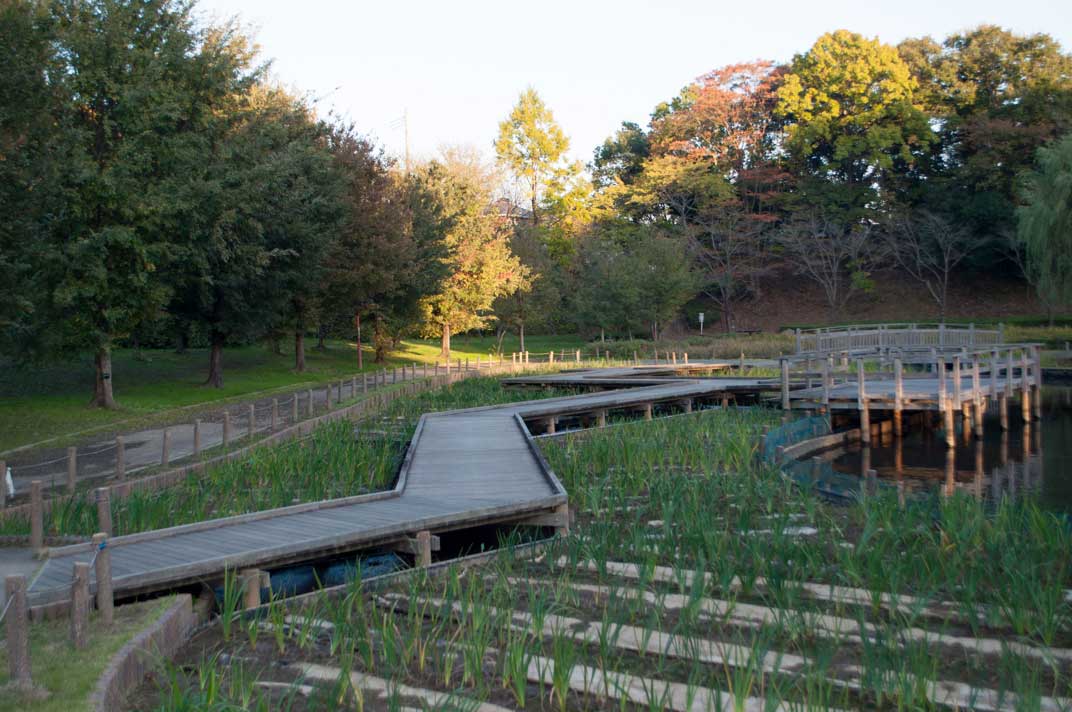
(338, 459)
(694, 578)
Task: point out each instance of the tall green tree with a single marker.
(852, 120)
(480, 266)
(251, 211)
(34, 151)
(1045, 223)
(141, 79)
(995, 98)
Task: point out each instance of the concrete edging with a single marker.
(161, 639)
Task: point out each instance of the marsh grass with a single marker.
(952, 567)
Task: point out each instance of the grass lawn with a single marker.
(42, 402)
(70, 675)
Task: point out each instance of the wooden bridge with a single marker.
(463, 468)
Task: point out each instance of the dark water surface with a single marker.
(1029, 459)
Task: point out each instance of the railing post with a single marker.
(103, 570)
(80, 604)
(104, 510)
(37, 518)
(165, 447)
(17, 631)
(796, 334)
(226, 427)
(275, 414)
(120, 458)
(785, 383)
(251, 426)
(72, 468)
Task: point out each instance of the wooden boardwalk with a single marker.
(463, 468)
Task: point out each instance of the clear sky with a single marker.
(457, 66)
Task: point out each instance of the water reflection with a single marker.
(1009, 463)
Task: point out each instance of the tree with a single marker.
(34, 148)
(995, 98)
(836, 255)
(141, 81)
(621, 157)
(480, 266)
(851, 118)
(536, 301)
(533, 147)
(1045, 222)
(262, 193)
(388, 254)
(728, 248)
(665, 279)
(929, 247)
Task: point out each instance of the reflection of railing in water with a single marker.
(1010, 478)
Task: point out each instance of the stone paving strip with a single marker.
(657, 642)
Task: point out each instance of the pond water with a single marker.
(1027, 460)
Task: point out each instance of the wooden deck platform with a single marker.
(463, 468)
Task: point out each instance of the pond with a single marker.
(1027, 460)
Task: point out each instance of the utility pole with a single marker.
(405, 125)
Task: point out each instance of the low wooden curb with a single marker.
(127, 668)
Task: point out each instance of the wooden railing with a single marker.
(869, 337)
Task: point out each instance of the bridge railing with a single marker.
(895, 336)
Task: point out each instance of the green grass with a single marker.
(70, 675)
(42, 402)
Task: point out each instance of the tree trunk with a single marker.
(380, 340)
(299, 350)
(215, 361)
(521, 334)
(320, 331)
(444, 342)
(360, 355)
(182, 342)
(102, 388)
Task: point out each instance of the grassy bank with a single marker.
(694, 578)
(41, 402)
(69, 676)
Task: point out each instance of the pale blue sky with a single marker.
(458, 65)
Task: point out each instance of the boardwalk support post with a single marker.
(559, 519)
(861, 403)
(251, 588)
(421, 546)
(898, 397)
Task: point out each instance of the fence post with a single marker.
(120, 458)
(72, 468)
(364, 383)
(577, 358)
(103, 570)
(3, 484)
(796, 334)
(17, 631)
(37, 517)
(311, 403)
(104, 510)
(275, 414)
(294, 409)
(226, 427)
(197, 437)
(79, 604)
(251, 426)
